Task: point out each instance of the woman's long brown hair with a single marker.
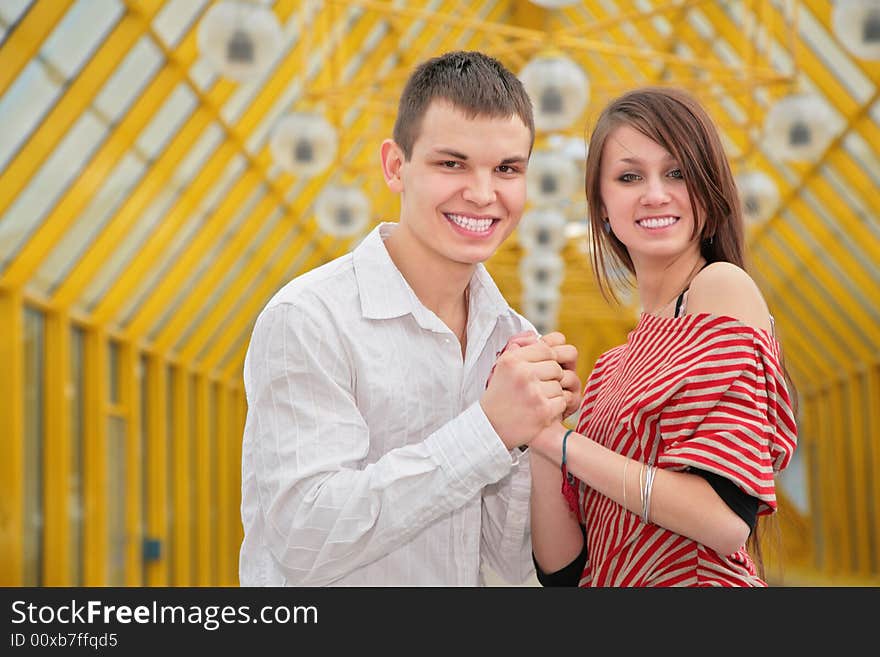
(678, 122)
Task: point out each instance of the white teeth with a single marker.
(471, 224)
(657, 222)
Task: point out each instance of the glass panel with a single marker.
(176, 18)
(113, 192)
(34, 345)
(43, 190)
(204, 214)
(113, 371)
(242, 259)
(22, 107)
(75, 502)
(83, 28)
(135, 239)
(116, 498)
(178, 107)
(11, 11)
(129, 79)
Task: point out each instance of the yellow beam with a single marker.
(263, 284)
(12, 439)
(158, 475)
(76, 98)
(857, 474)
(263, 288)
(181, 470)
(57, 454)
(839, 467)
(87, 183)
(208, 283)
(872, 429)
(208, 112)
(184, 315)
(205, 495)
(161, 296)
(95, 466)
(792, 240)
(194, 343)
(157, 179)
(228, 497)
(539, 39)
(130, 398)
(26, 38)
(221, 262)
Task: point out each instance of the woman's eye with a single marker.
(676, 173)
(629, 177)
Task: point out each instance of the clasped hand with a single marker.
(532, 384)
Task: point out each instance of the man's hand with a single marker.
(566, 355)
(524, 393)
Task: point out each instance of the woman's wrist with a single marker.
(548, 443)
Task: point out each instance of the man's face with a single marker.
(463, 189)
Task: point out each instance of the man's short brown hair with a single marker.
(471, 81)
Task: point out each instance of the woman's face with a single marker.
(645, 198)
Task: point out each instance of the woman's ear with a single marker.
(392, 161)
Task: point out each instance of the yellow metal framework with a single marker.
(160, 379)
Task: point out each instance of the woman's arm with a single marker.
(681, 502)
(557, 538)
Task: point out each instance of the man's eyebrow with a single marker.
(513, 159)
(450, 153)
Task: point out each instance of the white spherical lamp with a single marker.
(552, 178)
(758, 195)
(303, 143)
(240, 40)
(541, 269)
(542, 229)
(856, 24)
(541, 308)
(559, 90)
(554, 4)
(798, 128)
(342, 210)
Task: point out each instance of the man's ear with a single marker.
(392, 161)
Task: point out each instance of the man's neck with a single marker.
(440, 284)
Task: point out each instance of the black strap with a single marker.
(680, 299)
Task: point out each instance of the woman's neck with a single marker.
(661, 284)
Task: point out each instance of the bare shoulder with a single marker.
(724, 289)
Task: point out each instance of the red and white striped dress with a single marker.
(700, 391)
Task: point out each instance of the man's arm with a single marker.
(325, 514)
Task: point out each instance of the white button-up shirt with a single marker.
(367, 459)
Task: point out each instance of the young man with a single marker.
(375, 452)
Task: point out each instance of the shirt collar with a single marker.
(385, 293)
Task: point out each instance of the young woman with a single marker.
(683, 428)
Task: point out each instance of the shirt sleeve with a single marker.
(325, 511)
(732, 414)
(505, 541)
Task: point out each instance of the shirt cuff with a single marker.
(470, 451)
